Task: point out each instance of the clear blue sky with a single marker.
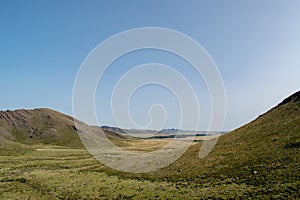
(254, 43)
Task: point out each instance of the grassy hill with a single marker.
(20, 129)
(38, 126)
(262, 157)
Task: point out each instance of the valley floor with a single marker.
(53, 172)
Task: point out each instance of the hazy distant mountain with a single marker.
(129, 131)
(182, 131)
(169, 131)
(114, 129)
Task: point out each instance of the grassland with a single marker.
(54, 172)
(59, 173)
(260, 160)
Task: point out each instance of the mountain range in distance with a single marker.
(163, 133)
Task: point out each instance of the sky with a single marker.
(255, 45)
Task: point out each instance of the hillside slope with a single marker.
(266, 149)
(263, 155)
(19, 128)
(38, 126)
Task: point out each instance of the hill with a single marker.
(262, 155)
(268, 144)
(19, 129)
(38, 126)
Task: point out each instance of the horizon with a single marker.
(165, 128)
(255, 49)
